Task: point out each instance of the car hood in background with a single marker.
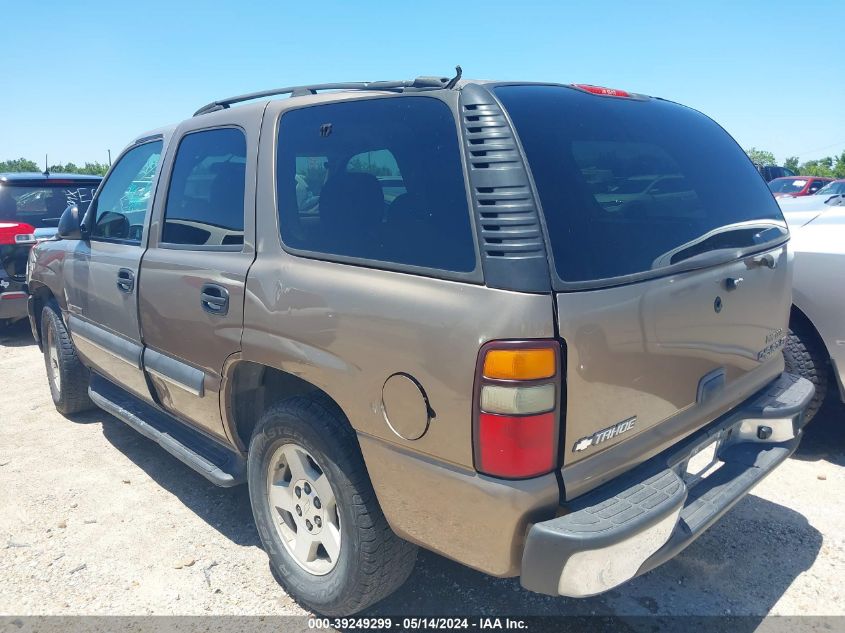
(803, 210)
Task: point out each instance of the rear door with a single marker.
(201, 247)
(101, 273)
(672, 308)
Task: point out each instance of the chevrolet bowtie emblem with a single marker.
(605, 434)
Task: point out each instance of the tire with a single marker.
(371, 561)
(67, 376)
(805, 355)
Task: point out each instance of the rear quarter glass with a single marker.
(634, 186)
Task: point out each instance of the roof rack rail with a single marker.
(420, 83)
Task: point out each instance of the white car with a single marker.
(815, 348)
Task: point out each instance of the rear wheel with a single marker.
(67, 376)
(316, 512)
(806, 356)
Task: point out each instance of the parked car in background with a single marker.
(799, 211)
(797, 186)
(815, 347)
(770, 172)
(30, 207)
(833, 188)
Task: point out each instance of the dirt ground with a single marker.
(96, 519)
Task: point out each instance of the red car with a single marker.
(794, 186)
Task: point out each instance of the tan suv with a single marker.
(535, 328)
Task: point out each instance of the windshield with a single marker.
(42, 206)
(787, 185)
(831, 189)
(630, 186)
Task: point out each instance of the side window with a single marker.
(379, 179)
(124, 201)
(205, 201)
(816, 185)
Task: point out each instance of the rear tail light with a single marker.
(517, 408)
(16, 233)
(601, 90)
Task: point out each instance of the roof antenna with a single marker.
(46, 169)
(454, 80)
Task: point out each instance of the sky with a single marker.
(80, 78)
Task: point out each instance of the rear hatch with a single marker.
(670, 263)
(30, 211)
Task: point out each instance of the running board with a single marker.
(211, 459)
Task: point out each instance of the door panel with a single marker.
(194, 271)
(103, 319)
(186, 344)
(102, 297)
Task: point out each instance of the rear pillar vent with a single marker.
(512, 246)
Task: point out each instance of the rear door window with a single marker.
(632, 186)
(205, 201)
(379, 180)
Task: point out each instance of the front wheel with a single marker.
(317, 513)
(67, 376)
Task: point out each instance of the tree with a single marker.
(761, 156)
(839, 165)
(818, 167)
(18, 165)
(95, 169)
(791, 163)
(70, 168)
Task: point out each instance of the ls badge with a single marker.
(605, 434)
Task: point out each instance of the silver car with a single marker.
(815, 348)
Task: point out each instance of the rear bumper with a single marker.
(13, 297)
(637, 522)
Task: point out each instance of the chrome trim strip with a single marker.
(112, 344)
(174, 382)
(175, 372)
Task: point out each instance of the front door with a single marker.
(102, 280)
(194, 272)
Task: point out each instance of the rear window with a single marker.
(832, 188)
(633, 186)
(787, 185)
(42, 206)
(378, 180)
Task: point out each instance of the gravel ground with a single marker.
(96, 519)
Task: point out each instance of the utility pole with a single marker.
(109, 158)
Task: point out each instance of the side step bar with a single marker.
(211, 459)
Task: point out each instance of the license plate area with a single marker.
(703, 461)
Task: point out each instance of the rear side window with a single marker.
(631, 186)
(205, 202)
(379, 180)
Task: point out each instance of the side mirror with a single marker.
(70, 227)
